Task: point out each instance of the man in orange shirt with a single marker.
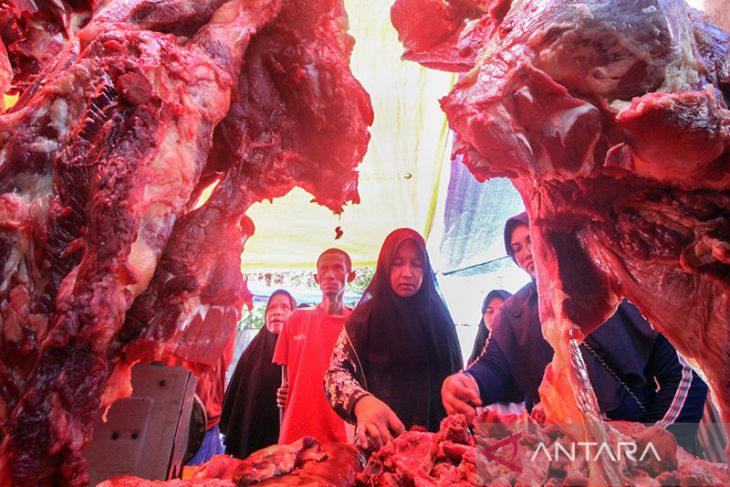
(304, 348)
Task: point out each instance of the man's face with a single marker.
(333, 275)
(522, 249)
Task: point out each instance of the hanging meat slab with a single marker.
(611, 120)
(103, 241)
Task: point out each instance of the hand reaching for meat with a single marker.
(375, 422)
(460, 395)
(538, 413)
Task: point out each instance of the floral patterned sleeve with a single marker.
(344, 379)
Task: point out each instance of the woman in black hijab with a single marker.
(250, 417)
(491, 304)
(396, 349)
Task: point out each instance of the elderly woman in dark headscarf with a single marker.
(250, 417)
(490, 306)
(397, 347)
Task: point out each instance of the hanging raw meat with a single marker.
(94, 179)
(101, 162)
(611, 120)
(295, 91)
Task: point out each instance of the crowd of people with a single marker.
(394, 362)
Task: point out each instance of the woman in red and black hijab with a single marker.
(396, 349)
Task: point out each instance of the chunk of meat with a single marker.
(296, 91)
(339, 468)
(440, 34)
(611, 120)
(304, 462)
(277, 460)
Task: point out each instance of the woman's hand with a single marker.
(375, 423)
(282, 394)
(460, 395)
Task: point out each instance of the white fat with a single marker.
(685, 71)
(78, 20)
(618, 106)
(38, 113)
(525, 93)
(209, 98)
(173, 168)
(59, 115)
(649, 10)
(169, 151)
(32, 191)
(142, 262)
(66, 85)
(34, 186)
(201, 310)
(12, 265)
(203, 72)
(30, 203)
(677, 78)
(43, 144)
(566, 119)
(605, 79)
(520, 136)
(313, 74)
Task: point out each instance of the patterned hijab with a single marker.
(406, 346)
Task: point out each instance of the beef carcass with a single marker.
(103, 159)
(295, 91)
(92, 181)
(611, 120)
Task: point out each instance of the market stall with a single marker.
(139, 135)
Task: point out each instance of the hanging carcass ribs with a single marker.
(611, 120)
(101, 162)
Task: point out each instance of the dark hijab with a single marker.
(406, 346)
(482, 331)
(509, 227)
(250, 418)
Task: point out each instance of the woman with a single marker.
(490, 306)
(250, 417)
(397, 347)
